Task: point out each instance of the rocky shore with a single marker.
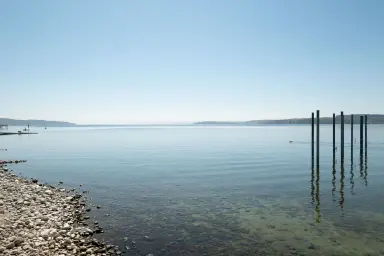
(38, 220)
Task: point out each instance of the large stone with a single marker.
(66, 226)
(18, 241)
(48, 192)
(26, 247)
(44, 218)
(53, 232)
(45, 233)
(84, 231)
(10, 245)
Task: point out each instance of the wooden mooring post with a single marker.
(313, 139)
(363, 122)
(351, 137)
(342, 137)
(366, 136)
(318, 138)
(334, 137)
(361, 135)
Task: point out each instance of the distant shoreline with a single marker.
(372, 119)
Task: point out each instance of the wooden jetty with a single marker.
(16, 133)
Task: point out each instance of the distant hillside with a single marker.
(31, 122)
(373, 119)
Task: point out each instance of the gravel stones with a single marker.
(38, 220)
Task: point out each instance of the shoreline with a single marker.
(38, 219)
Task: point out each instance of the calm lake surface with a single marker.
(217, 190)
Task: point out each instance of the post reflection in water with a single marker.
(313, 186)
(342, 176)
(361, 166)
(333, 182)
(317, 208)
(352, 175)
(366, 172)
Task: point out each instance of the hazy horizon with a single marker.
(132, 62)
(194, 122)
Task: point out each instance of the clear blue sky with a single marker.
(165, 61)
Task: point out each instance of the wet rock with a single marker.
(311, 246)
(99, 230)
(83, 231)
(148, 239)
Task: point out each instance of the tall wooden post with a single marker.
(342, 137)
(313, 139)
(318, 138)
(361, 135)
(366, 136)
(334, 137)
(351, 138)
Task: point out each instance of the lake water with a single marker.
(217, 190)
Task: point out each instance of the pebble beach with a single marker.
(43, 220)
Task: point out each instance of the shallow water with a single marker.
(217, 190)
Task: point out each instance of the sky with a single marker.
(172, 61)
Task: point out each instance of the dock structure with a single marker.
(363, 136)
(16, 133)
(315, 186)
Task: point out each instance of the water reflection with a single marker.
(351, 178)
(361, 166)
(342, 176)
(333, 182)
(313, 186)
(317, 208)
(366, 173)
(315, 183)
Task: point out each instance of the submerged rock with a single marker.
(148, 239)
